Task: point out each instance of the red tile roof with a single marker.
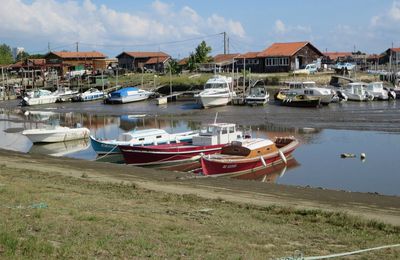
(248, 55)
(224, 57)
(335, 55)
(145, 54)
(79, 55)
(283, 49)
(183, 61)
(155, 60)
(395, 49)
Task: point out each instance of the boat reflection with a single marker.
(61, 148)
(269, 174)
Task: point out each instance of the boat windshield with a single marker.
(214, 85)
(309, 84)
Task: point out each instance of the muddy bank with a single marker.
(377, 116)
(370, 206)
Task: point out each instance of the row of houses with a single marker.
(278, 57)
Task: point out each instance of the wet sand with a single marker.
(370, 206)
(377, 115)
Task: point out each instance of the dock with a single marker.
(184, 95)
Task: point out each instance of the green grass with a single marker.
(89, 219)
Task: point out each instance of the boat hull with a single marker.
(40, 101)
(257, 100)
(55, 136)
(127, 99)
(246, 165)
(214, 101)
(165, 154)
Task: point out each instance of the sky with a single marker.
(177, 27)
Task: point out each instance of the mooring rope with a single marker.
(101, 157)
(301, 257)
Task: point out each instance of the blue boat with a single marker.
(151, 136)
(89, 95)
(126, 95)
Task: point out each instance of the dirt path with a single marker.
(370, 206)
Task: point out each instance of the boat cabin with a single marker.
(144, 136)
(357, 88)
(218, 82)
(250, 148)
(217, 133)
(375, 87)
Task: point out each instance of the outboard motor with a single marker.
(391, 94)
(341, 95)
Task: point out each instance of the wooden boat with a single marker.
(248, 156)
(210, 141)
(152, 136)
(54, 134)
(290, 99)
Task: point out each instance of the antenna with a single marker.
(216, 116)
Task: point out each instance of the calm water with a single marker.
(317, 160)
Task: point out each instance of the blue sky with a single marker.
(140, 25)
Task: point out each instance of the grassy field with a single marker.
(47, 215)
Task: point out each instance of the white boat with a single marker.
(60, 148)
(356, 91)
(152, 136)
(309, 88)
(126, 95)
(54, 134)
(39, 97)
(89, 95)
(217, 92)
(65, 94)
(258, 94)
(379, 92)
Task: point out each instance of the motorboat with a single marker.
(126, 95)
(249, 155)
(310, 88)
(152, 136)
(258, 94)
(377, 90)
(356, 91)
(89, 95)
(292, 99)
(217, 92)
(64, 93)
(210, 141)
(39, 97)
(54, 134)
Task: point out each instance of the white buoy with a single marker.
(283, 157)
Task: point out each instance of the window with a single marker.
(277, 61)
(141, 139)
(158, 136)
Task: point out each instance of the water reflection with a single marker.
(60, 149)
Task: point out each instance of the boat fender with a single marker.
(263, 161)
(283, 157)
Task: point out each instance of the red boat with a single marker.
(248, 156)
(211, 141)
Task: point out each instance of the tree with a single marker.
(174, 67)
(22, 56)
(199, 56)
(5, 54)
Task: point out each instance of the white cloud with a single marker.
(394, 12)
(280, 27)
(68, 21)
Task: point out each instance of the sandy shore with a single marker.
(370, 206)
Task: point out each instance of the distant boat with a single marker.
(89, 95)
(211, 141)
(126, 95)
(292, 99)
(39, 97)
(356, 91)
(309, 88)
(258, 94)
(65, 94)
(217, 92)
(153, 136)
(53, 134)
(249, 155)
(377, 90)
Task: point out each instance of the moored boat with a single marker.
(211, 141)
(126, 95)
(356, 91)
(217, 92)
(39, 97)
(54, 134)
(258, 94)
(292, 99)
(89, 95)
(310, 89)
(152, 136)
(249, 155)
